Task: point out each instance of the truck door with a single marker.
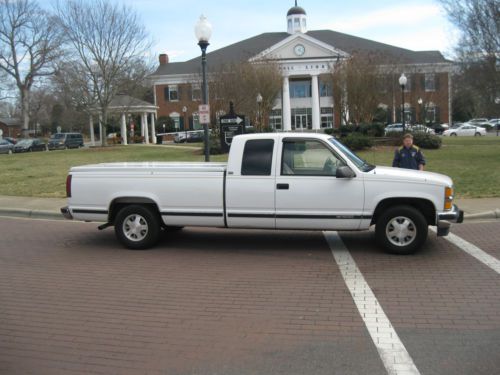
(250, 191)
(308, 194)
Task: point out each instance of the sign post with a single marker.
(230, 126)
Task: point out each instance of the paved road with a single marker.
(211, 301)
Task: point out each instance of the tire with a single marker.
(477, 135)
(413, 224)
(144, 237)
(453, 134)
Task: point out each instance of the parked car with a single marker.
(410, 128)
(65, 140)
(495, 122)
(191, 137)
(465, 130)
(6, 147)
(11, 140)
(482, 122)
(28, 145)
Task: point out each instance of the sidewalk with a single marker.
(49, 208)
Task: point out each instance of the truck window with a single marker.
(308, 158)
(257, 157)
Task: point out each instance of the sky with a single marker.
(416, 25)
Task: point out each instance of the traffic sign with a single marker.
(236, 120)
(204, 113)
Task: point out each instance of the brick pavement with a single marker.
(481, 234)
(206, 301)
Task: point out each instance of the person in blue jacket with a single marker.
(408, 155)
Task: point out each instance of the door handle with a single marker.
(282, 186)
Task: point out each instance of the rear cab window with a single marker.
(257, 157)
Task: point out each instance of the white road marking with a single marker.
(473, 250)
(393, 353)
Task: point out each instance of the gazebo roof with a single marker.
(125, 103)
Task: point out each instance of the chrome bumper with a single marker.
(66, 213)
(444, 220)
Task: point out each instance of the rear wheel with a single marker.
(137, 227)
(401, 230)
(453, 134)
(477, 135)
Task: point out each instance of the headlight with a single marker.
(448, 198)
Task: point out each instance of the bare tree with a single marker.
(356, 87)
(29, 44)
(240, 83)
(478, 49)
(107, 41)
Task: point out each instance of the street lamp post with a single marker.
(259, 104)
(402, 82)
(184, 110)
(203, 32)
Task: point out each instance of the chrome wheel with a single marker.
(135, 227)
(401, 231)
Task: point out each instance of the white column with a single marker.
(287, 116)
(142, 126)
(91, 125)
(146, 130)
(153, 130)
(124, 129)
(100, 130)
(315, 104)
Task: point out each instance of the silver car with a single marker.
(6, 147)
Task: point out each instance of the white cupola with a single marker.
(296, 19)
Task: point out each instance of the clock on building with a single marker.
(299, 49)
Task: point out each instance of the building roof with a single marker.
(125, 103)
(10, 121)
(245, 49)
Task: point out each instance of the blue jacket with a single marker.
(409, 158)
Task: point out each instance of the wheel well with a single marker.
(425, 206)
(118, 203)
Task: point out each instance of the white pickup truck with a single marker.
(271, 181)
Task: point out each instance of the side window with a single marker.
(257, 157)
(308, 158)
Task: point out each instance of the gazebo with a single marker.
(126, 105)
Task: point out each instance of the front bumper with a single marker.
(66, 213)
(444, 220)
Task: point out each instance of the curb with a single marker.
(31, 214)
(495, 214)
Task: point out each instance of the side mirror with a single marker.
(344, 172)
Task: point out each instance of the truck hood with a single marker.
(412, 175)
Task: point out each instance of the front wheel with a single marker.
(401, 230)
(137, 227)
(453, 134)
(477, 135)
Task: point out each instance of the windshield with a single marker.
(57, 136)
(24, 142)
(360, 163)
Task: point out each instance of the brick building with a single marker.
(306, 60)
(11, 127)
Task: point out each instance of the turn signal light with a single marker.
(448, 198)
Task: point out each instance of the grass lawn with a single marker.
(472, 162)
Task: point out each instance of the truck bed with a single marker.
(154, 166)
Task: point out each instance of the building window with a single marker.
(196, 92)
(325, 89)
(165, 93)
(300, 89)
(275, 120)
(257, 157)
(177, 120)
(326, 118)
(430, 82)
(196, 121)
(289, 24)
(296, 23)
(173, 93)
(303, 23)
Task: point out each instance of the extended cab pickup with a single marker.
(271, 181)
